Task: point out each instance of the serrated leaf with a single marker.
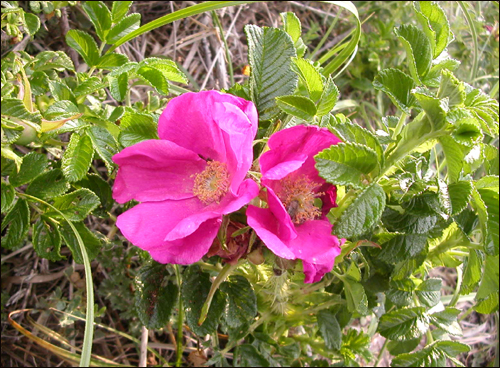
(247, 355)
(77, 157)
(16, 225)
(167, 67)
(104, 144)
(410, 222)
(328, 98)
(48, 185)
(433, 355)
(362, 214)
(154, 78)
(61, 91)
(85, 45)
(125, 26)
(460, 194)
(472, 272)
(452, 88)
(404, 324)
(447, 321)
(155, 295)
(195, 288)
(309, 76)
(137, 128)
(33, 165)
(490, 199)
(61, 110)
(32, 23)
(100, 16)
(118, 86)
(346, 164)
(8, 195)
(398, 86)
(76, 205)
(402, 347)
(356, 296)
(454, 154)
(298, 106)
(47, 240)
(487, 305)
(47, 60)
(429, 291)
(292, 25)
(489, 283)
(15, 108)
(489, 182)
(435, 23)
(401, 292)
(112, 61)
(242, 302)
(88, 87)
(269, 53)
(402, 246)
(329, 329)
(101, 188)
(484, 108)
(467, 129)
(418, 50)
(119, 9)
(91, 242)
(435, 109)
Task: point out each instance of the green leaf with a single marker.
(309, 76)
(17, 222)
(155, 295)
(484, 108)
(15, 108)
(33, 165)
(88, 87)
(362, 214)
(329, 329)
(452, 88)
(137, 128)
(433, 355)
(404, 324)
(460, 194)
(102, 189)
(490, 199)
(292, 25)
(32, 23)
(48, 185)
(85, 45)
(418, 50)
(328, 98)
(8, 195)
(489, 283)
(402, 347)
(112, 61)
(454, 154)
(356, 296)
(472, 272)
(269, 53)
(118, 86)
(47, 240)
(100, 16)
(242, 302)
(154, 78)
(61, 110)
(447, 321)
(167, 67)
(410, 221)
(435, 109)
(298, 106)
(246, 355)
(48, 60)
(402, 246)
(347, 164)
(11, 131)
(119, 10)
(435, 23)
(398, 86)
(104, 144)
(487, 305)
(195, 288)
(125, 26)
(400, 292)
(489, 182)
(429, 291)
(61, 91)
(75, 205)
(467, 129)
(91, 242)
(77, 157)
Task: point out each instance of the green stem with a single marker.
(381, 353)
(89, 321)
(224, 273)
(180, 319)
(322, 306)
(474, 39)
(325, 37)
(456, 293)
(216, 19)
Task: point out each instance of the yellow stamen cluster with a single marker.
(298, 198)
(212, 183)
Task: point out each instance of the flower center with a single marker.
(212, 183)
(298, 197)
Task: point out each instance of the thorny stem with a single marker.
(381, 353)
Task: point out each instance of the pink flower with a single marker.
(294, 226)
(189, 178)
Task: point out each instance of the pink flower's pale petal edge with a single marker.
(267, 228)
(155, 170)
(248, 190)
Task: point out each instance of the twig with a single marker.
(144, 347)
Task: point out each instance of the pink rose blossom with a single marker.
(189, 178)
(294, 226)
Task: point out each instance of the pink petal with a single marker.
(286, 226)
(329, 198)
(268, 229)
(155, 170)
(315, 243)
(315, 273)
(284, 167)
